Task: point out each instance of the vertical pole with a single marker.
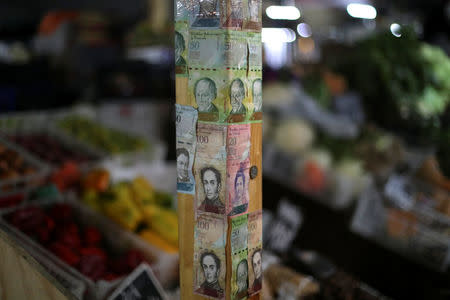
(218, 62)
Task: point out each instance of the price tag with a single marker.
(399, 191)
(284, 228)
(140, 284)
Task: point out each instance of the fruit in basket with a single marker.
(118, 204)
(110, 140)
(143, 191)
(156, 240)
(96, 180)
(67, 176)
(56, 228)
(13, 165)
(93, 262)
(65, 253)
(165, 223)
(28, 219)
(50, 149)
(91, 236)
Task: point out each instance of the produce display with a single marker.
(50, 150)
(56, 228)
(13, 165)
(134, 205)
(111, 141)
(405, 82)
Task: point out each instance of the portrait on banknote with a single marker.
(238, 164)
(210, 167)
(209, 255)
(211, 179)
(256, 261)
(182, 165)
(181, 40)
(257, 95)
(207, 14)
(210, 265)
(237, 96)
(239, 253)
(241, 279)
(255, 251)
(180, 47)
(186, 140)
(208, 90)
(205, 91)
(253, 20)
(234, 16)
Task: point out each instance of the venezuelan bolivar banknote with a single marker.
(209, 255)
(181, 48)
(239, 254)
(210, 168)
(186, 123)
(238, 102)
(208, 91)
(253, 18)
(255, 252)
(238, 164)
(217, 49)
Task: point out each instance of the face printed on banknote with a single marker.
(239, 253)
(209, 255)
(210, 168)
(208, 90)
(255, 251)
(206, 14)
(238, 164)
(238, 101)
(186, 121)
(253, 19)
(181, 49)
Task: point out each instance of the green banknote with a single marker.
(255, 85)
(209, 90)
(255, 252)
(253, 18)
(238, 102)
(239, 254)
(254, 50)
(181, 48)
(209, 255)
(217, 49)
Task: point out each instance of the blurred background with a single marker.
(356, 156)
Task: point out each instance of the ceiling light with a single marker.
(362, 11)
(283, 12)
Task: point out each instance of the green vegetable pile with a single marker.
(405, 82)
(109, 140)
